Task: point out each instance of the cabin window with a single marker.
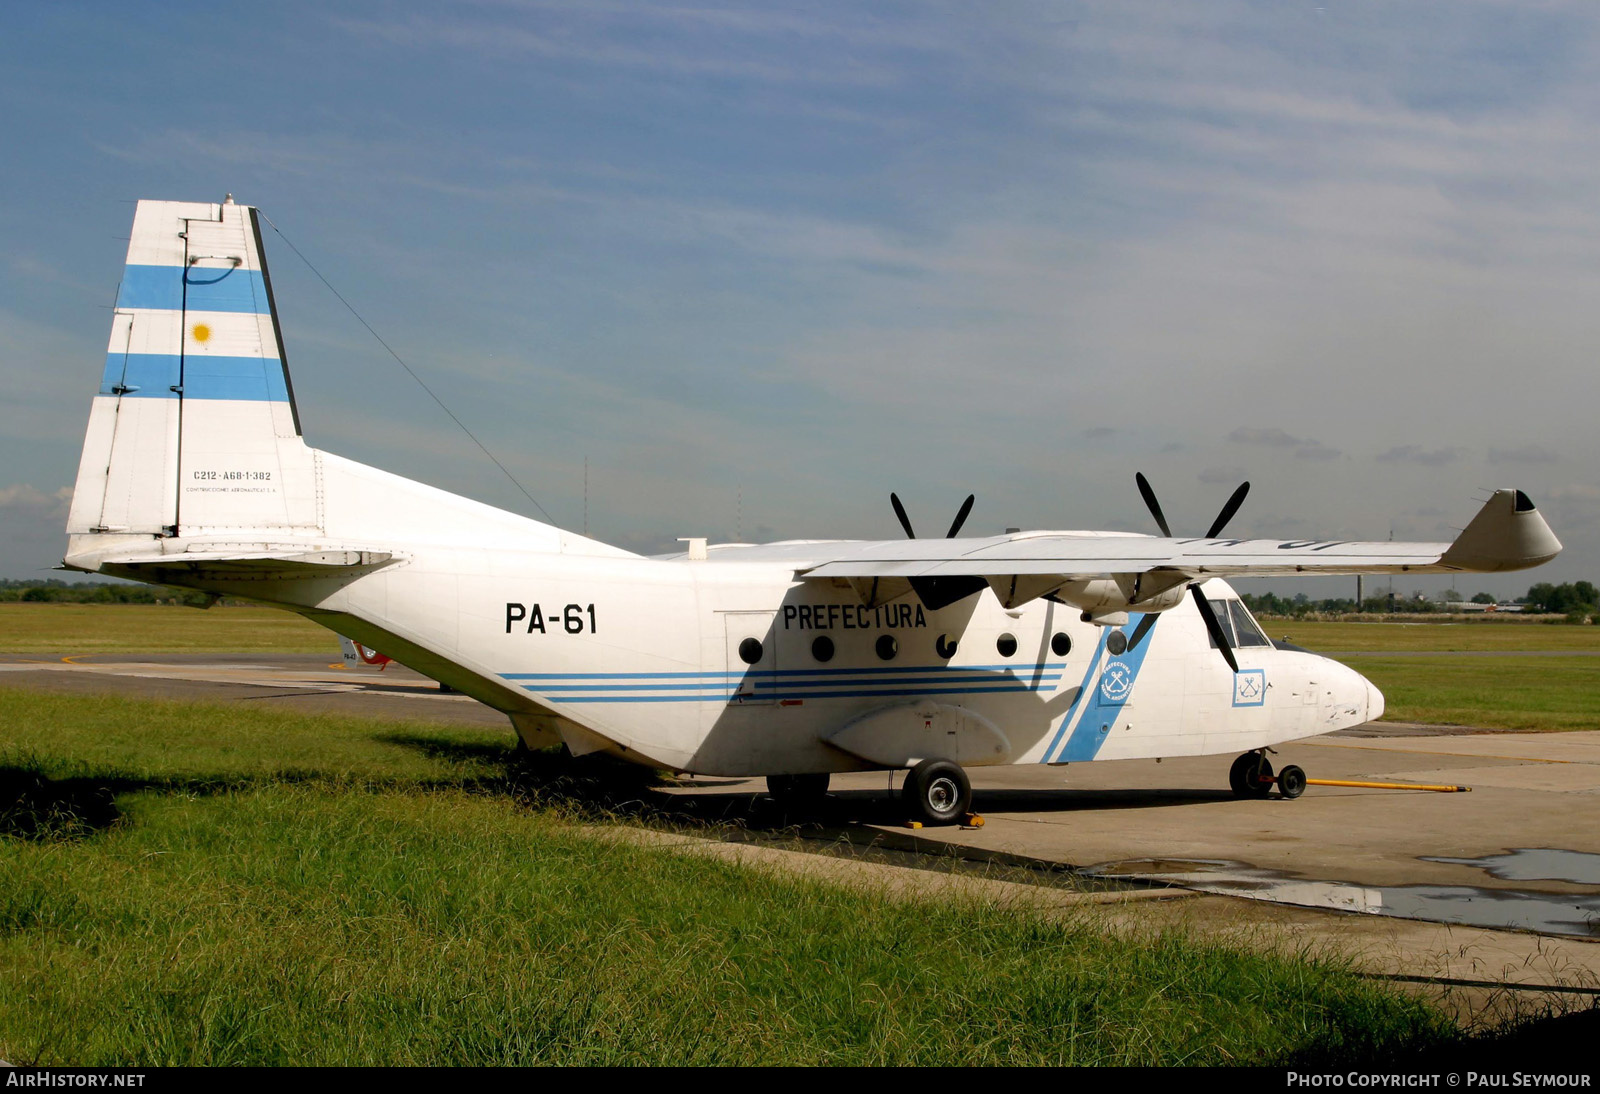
(822, 648)
(887, 647)
(750, 650)
(1006, 645)
(1245, 629)
(1219, 608)
(1117, 643)
(1060, 644)
(1237, 623)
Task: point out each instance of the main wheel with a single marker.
(798, 791)
(1244, 777)
(1291, 782)
(938, 792)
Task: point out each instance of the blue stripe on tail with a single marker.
(209, 289)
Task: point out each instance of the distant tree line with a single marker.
(1578, 601)
(54, 591)
(1569, 599)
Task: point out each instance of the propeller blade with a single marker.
(961, 517)
(900, 511)
(1151, 503)
(1141, 630)
(1217, 634)
(1227, 512)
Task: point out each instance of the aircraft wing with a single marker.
(1508, 533)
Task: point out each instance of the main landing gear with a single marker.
(798, 793)
(1251, 777)
(938, 792)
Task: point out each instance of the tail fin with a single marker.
(194, 429)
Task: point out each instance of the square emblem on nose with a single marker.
(1249, 687)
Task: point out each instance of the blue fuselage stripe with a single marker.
(1104, 702)
(809, 685)
(162, 288)
(725, 693)
(205, 376)
(884, 671)
(1083, 689)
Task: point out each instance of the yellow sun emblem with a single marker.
(201, 332)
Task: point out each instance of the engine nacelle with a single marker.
(1101, 596)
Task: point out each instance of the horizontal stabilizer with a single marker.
(245, 561)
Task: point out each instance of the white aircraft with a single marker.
(790, 660)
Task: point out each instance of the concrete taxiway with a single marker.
(1498, 885)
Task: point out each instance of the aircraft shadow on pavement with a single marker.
(617, 788)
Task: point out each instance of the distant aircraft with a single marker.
(788, 660)
(355, 654)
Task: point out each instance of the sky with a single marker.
(740, 271)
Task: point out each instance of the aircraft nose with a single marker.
(1374, 701)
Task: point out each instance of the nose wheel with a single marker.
(1291, 782)
(1251, 777)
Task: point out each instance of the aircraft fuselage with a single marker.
(737, 668)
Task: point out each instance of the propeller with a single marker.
(955, 525)
(1213, 625)
(940, 592)
(900, 513)
(961, 516)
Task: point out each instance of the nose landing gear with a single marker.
(1251, 777)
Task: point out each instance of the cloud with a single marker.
(33, 517)
(1531, 453)
(1411, 453)
(1305, 448)
(1230, 475)
(1272, 438)
(24, 498)
(1316, 450)
(1099, 433)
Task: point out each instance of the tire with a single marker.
(798, 791)
(1243, 776)
(938, 792)
(1241, 771)
(1291, 782)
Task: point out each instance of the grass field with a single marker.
(187, 884)
(1521, 693)
(1493, 686)
(66, 629)
(1442, 637)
